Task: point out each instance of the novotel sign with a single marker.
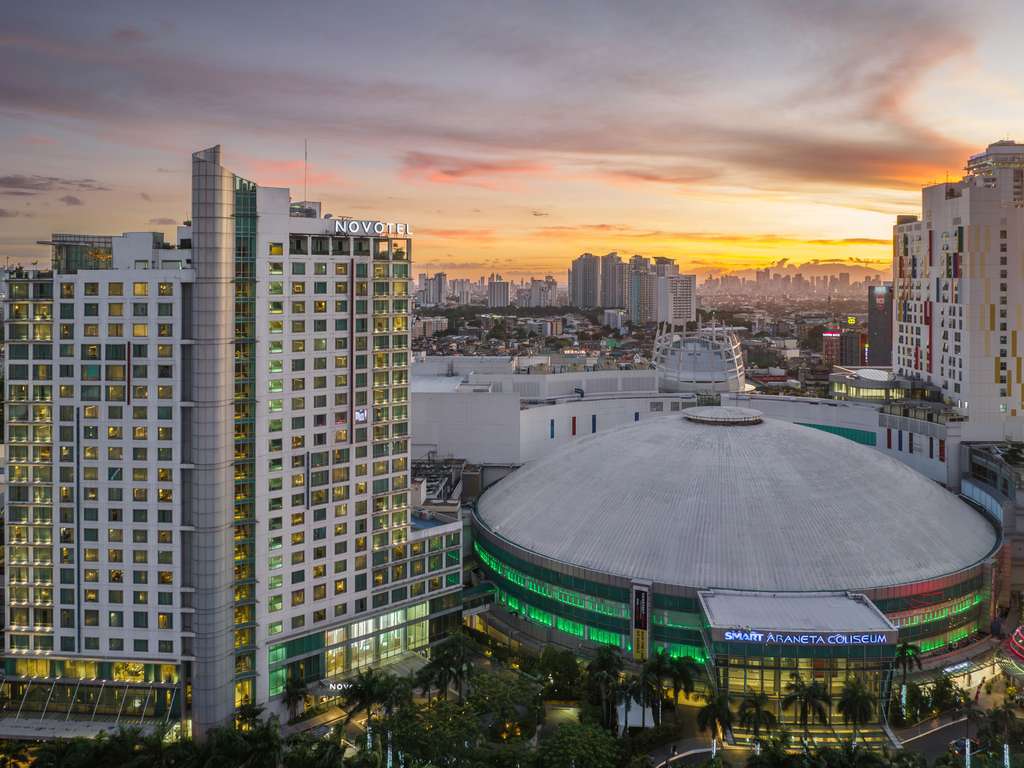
(772, 637)
(364, 227)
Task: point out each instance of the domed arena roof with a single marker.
(736, 504)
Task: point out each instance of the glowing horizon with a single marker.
(514, 141)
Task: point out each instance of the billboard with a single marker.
(641, 620)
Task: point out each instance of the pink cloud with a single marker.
(446, 169)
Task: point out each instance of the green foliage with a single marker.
(716, 714)
(756, 714)
(560, 672)
(603, 682)
(507, 703)
(579, 745)
(944, 694)
(856, 703)
(811, 701)
(445, 732)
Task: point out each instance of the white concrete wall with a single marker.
(535, 432)
(481, 427)
(542, 386)
(490, 428)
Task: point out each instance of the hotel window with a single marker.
(140, 289)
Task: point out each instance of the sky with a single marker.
(513, 136)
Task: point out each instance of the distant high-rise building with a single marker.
(851, 347)
(497, 292)
(957, 288)
(436, 290)
(677, 299)
(880, 325)
(643, 291)
(585, 281)
(831, 342)
(614, 281)
(541, 293)
(461, 290)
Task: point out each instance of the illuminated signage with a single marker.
(641, 596)
(851, 320)
(804, 638)
(362, 227)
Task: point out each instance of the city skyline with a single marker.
(529, 139)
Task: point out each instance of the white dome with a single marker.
(763, 506)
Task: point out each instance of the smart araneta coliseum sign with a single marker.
(805, 638)
(369, 228)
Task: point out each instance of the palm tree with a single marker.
(715, 715)
(258, 747)
(13, 753)
(364, 692)
(294, 694)
(656, 669)
(1002, 722)
(426, 679)
(907, 657)
(393, 693)
(455, 656)
(155, 749)
(604, 671)
(58, 753)
(856, 703)
(624, 691)
(812, 702)
(682, 673)
(755, 714)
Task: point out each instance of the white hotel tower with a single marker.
(958, 276)
(208, 464)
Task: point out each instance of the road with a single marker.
(936, 744)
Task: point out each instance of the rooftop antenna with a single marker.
(305, 171)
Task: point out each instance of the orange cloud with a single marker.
(456, 234)
(445, 169)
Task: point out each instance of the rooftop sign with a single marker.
(368, 228)
(782, 637)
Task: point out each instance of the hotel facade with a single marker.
(208, 463)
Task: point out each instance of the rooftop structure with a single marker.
(707, 360)
(803, 612)
(770, 506)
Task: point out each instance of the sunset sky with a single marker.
(512, 136)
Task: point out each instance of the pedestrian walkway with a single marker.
(663, 756)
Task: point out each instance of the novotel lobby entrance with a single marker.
(770, 643)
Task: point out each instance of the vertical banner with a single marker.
(641, 619)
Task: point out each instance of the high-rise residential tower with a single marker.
(209, 487)
(880, 325)
(614, 281)
(958, 292)
(497, 292)
(677, 299)
(585, 281)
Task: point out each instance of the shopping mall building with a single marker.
(757, 547)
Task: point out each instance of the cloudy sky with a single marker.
(513, 136)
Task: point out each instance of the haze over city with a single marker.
(728, 136)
